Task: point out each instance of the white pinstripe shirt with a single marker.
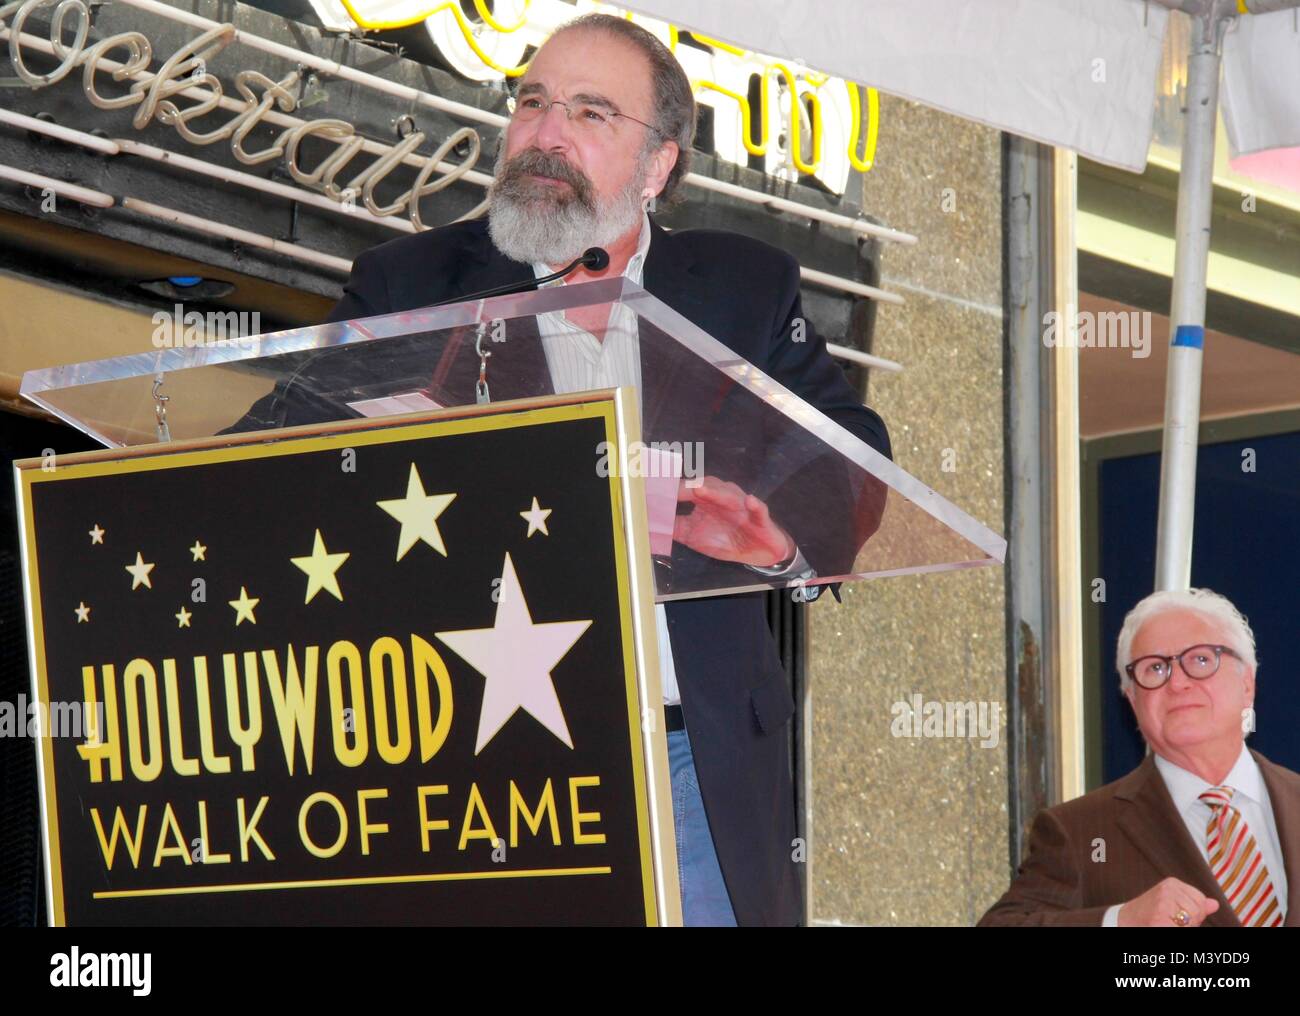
(579, 362)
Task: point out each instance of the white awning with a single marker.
(1080, 74)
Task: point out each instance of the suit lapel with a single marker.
(674, 277)
(485, 267)
(517, 367)
(669, 273)
(1283, 794)
(522, 370)
(1157, 830)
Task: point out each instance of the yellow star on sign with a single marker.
(418, 513)
(183, 618)
(140, 572)
(198, 550)
(321, 568)
(82, 612)
(97, 534)
(244, 607)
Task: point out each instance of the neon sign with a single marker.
(186, 72)
(803, 122)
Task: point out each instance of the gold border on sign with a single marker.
(645, 724)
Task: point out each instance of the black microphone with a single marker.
(595, 259)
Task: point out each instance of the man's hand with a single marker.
(728, 524)
(1161, 905)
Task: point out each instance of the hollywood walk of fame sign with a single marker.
(378, 672)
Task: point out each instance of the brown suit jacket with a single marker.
(1145, 841)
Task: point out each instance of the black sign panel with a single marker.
(377, 675)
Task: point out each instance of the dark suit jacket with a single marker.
(735, 696)
(1146, 841)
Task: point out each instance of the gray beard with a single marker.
(547, 230)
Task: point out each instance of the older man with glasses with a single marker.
(1204, 831)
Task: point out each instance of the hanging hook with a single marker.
(160, 409)
(481, 387)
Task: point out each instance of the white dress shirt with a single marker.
(579, 362)
(1250, 797)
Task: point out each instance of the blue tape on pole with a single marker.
(1191, 336)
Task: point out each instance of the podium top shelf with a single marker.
(713, 425)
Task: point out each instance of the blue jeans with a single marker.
(705, 902)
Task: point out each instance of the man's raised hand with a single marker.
(730, 525)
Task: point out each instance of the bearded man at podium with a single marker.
(601, 128)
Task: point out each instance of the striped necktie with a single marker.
(1237, 863)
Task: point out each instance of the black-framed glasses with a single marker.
(586, 116)
(1198, 663)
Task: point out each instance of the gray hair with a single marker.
(1205, 602)
(674, 101)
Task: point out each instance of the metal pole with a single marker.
(1027, 185)
(1187, 308)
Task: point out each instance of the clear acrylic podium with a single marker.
(705, 412)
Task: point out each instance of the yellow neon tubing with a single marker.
(490, 20)
(868, 159)
(726, 47)
(462, 24)
(796, 142)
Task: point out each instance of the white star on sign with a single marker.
(97, 534)
(536, 519)
(140, 572)
(418, 513)
(82, 612)
(515, 657)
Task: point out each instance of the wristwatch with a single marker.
(798, 570)
(793, 564)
